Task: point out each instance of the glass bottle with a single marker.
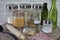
(53, 14)
(44, 13)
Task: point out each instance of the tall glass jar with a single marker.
(30, 20)
(53, 14)
(18, 18)
(9, 9)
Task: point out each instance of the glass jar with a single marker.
(30, 20)
(47, 26)
(18, 18)
(9, 12)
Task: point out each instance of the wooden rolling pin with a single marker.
(15, 32)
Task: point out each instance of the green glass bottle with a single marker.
(53, 14)
(44, 13)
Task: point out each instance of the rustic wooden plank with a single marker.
(55, 34)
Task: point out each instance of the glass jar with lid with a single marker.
(18, 18)
(9, 12)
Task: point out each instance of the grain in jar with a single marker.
(19, 19)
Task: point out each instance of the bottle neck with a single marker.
(44, 7)
(54, 3)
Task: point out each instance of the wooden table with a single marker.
(55, 34)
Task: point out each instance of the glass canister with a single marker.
(9, 12)
(30, 20)
(18, 18)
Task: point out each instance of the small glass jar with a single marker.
(18, 18)
(47, 26)
(9, 12)
(30, 20)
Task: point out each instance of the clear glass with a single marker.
(35, 14)
(18, 18)
(31, 19)
(9, 16)
(47, 26)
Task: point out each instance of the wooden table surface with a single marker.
(55, 34)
